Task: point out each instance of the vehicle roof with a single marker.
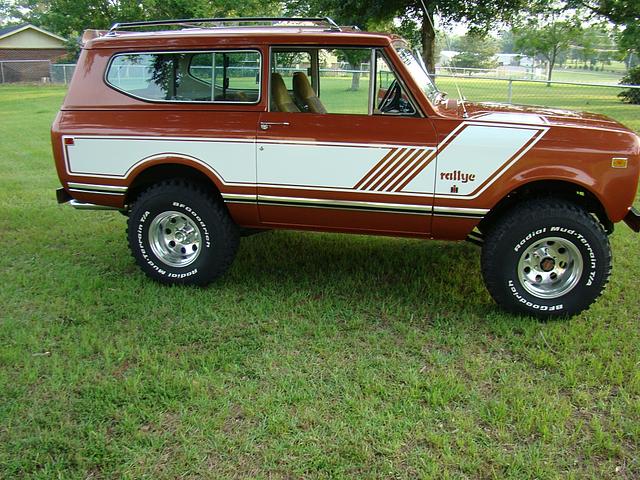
(191, 37)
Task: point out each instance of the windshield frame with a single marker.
(418, 74)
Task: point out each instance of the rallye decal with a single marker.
(474, 156)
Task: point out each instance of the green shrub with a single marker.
(632, 95)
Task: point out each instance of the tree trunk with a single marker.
(355, 79)
(552, 63)
(428, 35)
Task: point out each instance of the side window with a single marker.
(290, 69)
(344, 80)
(143, 75)
(188, 76)
(233, 76)
(391, 98)
(321, 81)
(287, 63)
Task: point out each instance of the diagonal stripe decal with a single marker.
(394, 168)
(406, 153)
(409, 167)
(390, 167)
(401, 168)
(375, 169)
(422, 163)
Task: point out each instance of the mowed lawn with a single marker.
(317, 356)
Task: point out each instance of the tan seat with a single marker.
(281, 100)
(305, 95)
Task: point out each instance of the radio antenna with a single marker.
(455, 78)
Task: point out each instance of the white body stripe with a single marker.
(115, 157)
(484, 150)
(316, 165)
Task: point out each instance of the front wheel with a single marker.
(546, 258)
(180, 234)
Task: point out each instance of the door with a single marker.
(341, 144)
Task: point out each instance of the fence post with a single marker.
(64, 73)
(2, 70)
(510, 91)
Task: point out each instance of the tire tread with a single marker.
(232, 234)
(531, 211)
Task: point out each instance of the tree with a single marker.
(624, 13)
(71, 17)
(476, 52)
(480, 16)
(546, 36)
(354, 58)
(596, 43)
(631, 95)
(507, 41)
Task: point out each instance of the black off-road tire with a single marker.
(524, 230)
(193, 207)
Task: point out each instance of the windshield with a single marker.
(418, 73)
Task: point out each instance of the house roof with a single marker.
(8, 31)
(13, 28)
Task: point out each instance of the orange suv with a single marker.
(211, 127)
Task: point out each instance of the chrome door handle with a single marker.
(268, 125)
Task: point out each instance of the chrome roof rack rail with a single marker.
(325, 23)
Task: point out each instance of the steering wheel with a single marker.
(391, 100)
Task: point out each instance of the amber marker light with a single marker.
(619, 162)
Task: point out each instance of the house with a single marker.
(26, 52)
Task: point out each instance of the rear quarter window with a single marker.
(212, 77)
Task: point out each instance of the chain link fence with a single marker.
(61, 73)
(35, 71)
(534, 92)
(13, 71)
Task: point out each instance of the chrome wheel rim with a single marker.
(175, 239)
(550, 268)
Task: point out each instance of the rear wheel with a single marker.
(181, 234)
(546, 258)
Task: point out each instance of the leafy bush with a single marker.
(631, 95)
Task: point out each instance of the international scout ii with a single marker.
(202, 129)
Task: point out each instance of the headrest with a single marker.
(301, 86)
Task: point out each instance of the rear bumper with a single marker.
(64, 197)
(633, 220)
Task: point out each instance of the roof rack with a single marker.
(325, 23)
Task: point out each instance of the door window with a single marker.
(336, 81)
(323, 81)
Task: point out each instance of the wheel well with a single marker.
(558, 189)
(158, 173)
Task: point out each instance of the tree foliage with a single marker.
(70, 17)
(631, 95)
(624, 13)
(480, 16)
(547, 36)
(476, 51)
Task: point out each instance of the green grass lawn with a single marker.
(317, 356)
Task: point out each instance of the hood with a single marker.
(523, 114)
